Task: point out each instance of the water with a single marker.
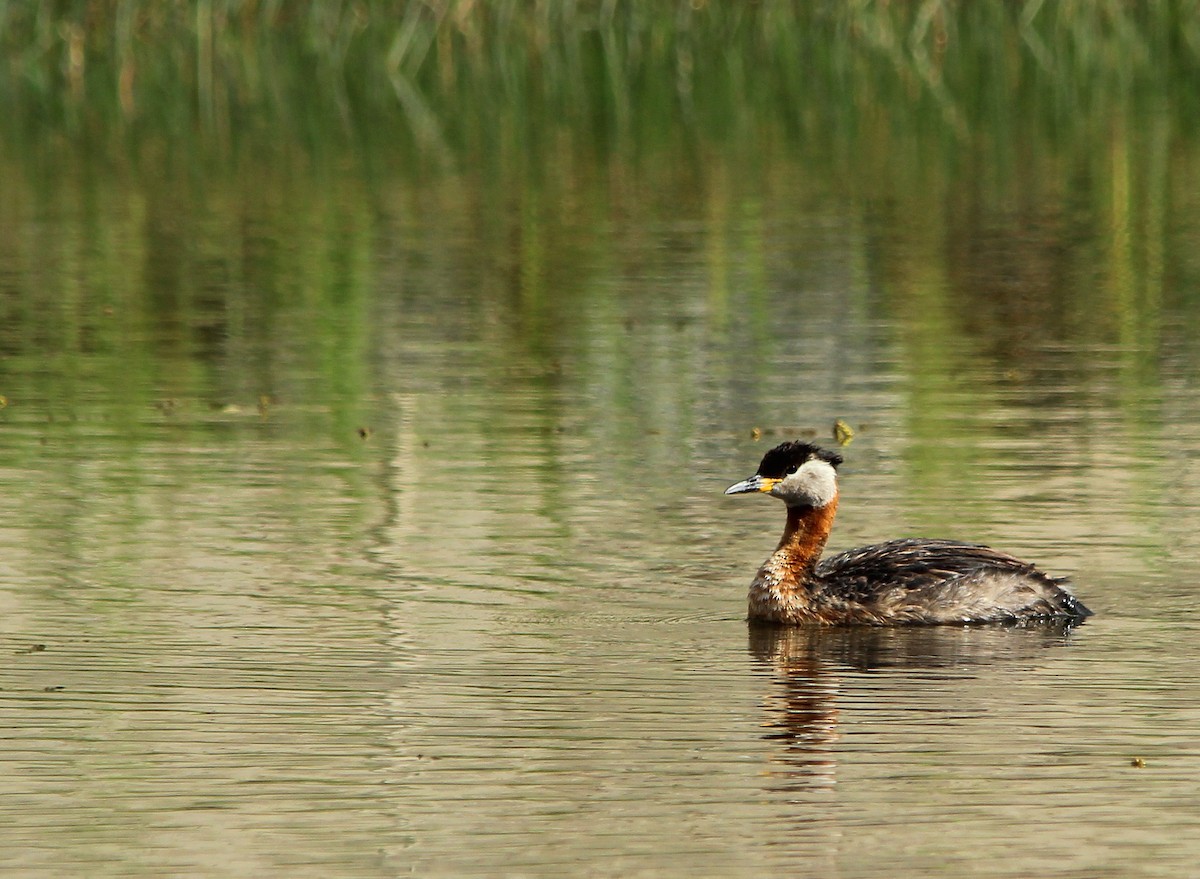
(373, 526)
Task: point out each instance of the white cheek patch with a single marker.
(814, 484)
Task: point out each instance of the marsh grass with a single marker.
(460, 79)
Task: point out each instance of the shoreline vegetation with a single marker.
(449, 81)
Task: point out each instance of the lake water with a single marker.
(371, 524)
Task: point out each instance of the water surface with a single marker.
(362, 521)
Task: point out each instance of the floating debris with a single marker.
(364, 433)
(1138, 763)
(32, 648)
(756, 433)
(843, 433)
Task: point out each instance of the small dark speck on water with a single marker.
(53, 689)
(32, 648)
(1138, 763)
(364, 432)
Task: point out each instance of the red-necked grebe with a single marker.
(902, 582)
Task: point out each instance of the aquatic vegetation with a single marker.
(458, 78)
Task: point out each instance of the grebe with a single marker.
(902, 582)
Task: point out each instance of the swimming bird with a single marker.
(901, 582)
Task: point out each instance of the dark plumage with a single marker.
(788, 457)
(910, 581)
(934, 581)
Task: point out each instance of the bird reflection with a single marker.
(808, 667)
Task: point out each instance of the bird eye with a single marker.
(792, 469)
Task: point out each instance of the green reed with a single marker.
(457, 78)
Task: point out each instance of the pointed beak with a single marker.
(754, 483)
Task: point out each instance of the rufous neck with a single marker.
(806, 532)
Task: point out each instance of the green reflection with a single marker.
(653, 226)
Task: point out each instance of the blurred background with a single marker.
(370, 373)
